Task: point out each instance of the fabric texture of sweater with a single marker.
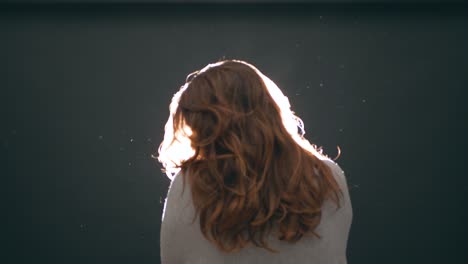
(183, 242)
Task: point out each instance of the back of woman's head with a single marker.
(232, 134)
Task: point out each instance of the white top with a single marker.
(183, 242)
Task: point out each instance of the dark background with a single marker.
(85, 90)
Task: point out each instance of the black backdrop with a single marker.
(85, 92)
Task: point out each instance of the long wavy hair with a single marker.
(232, 134)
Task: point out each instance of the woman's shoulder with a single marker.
(336, 169)
(339, 176)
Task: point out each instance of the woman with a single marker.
(247, 187)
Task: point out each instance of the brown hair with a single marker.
(232, 134)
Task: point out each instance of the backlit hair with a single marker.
(232, 134)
